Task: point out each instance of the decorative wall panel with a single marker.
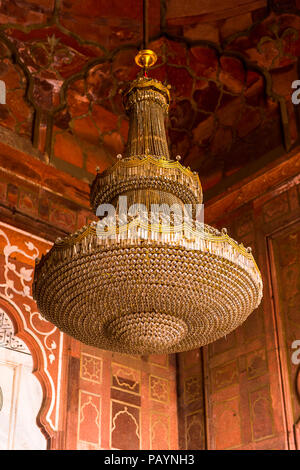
(191, 401)
(119, 401)
(285, 247)
(250, 383)
(226, 415)
(261, 413)
(91, 368)
(125, 426)
(160, 431)
(159, 389)
(89, 418)
(18, 250)
(195, 430)
(126, 379)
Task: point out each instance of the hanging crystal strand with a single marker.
(147, 134)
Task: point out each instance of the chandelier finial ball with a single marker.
(145, 58)
(178, 158)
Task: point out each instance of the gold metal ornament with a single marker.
(146, 58)
(160, 287)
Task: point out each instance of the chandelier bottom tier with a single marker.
(150, 288)
(147, 297)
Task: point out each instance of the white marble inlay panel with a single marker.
(21, 400)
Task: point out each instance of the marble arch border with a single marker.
(46, 347)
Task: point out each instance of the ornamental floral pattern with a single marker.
(18, 251)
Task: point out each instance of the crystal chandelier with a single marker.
(144, 281)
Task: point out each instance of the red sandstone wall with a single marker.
(285, 256)
(191, 401)
(251, 386)
(116, 401)
(93, 399)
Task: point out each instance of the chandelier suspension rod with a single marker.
(145, 24)
(145, 57)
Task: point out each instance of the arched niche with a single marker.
(29, 343)
(21, 394)
(44, 341)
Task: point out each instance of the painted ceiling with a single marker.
(230, 65)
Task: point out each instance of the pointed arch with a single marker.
(43, 339)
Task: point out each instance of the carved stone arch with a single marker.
(22, 331)
(43, 339)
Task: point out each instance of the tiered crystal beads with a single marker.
(152, 287)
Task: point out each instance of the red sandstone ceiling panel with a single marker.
(109, 23)
(208, 10)
(230, 66)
